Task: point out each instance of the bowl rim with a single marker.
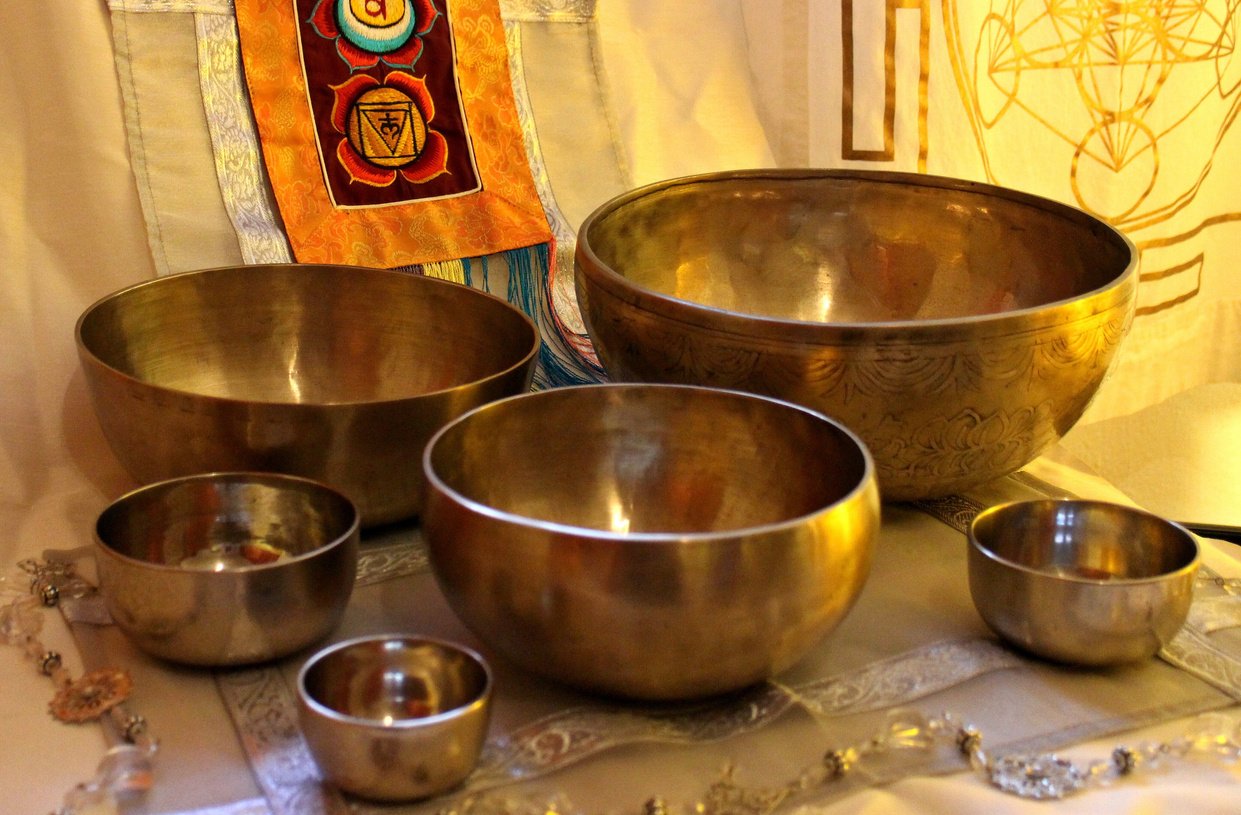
(480, 700)
(352, 530)
(866, 483)
(86, 352)
(1120, 291)
(982, 550)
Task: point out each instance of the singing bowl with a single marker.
(395, 718)
(334, 373)
(649, 541)
(227, 568)
(1081, 582)
(959, 328)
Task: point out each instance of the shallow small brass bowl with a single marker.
(1082, 582)
(227, 568)
(395, 718)
(650, 541)
(959, 328)
(334, 373)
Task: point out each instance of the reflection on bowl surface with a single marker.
(650, 541)
(227, 568)
(1083, 582)
(334, 373)
(959, 328)
(393, 717)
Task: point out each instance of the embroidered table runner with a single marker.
(913, 639)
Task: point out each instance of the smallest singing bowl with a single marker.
(1081, 582)
(227, 568)
(395, 718)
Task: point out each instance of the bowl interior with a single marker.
(226, 522)
(392, 679)
(1084, 540)
(648, 459)
(306, 334)
(850, 248)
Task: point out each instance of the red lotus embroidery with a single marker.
(386, 129)
(367, 32)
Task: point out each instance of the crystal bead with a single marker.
(126, 769)
(905, 730)
(19, 620)
(1038, 777)
(89, 799)
(1213, 734)
(1102, 772)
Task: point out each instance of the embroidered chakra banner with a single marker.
(389, 129)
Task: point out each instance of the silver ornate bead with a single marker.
(1125, 759)
(49, 662)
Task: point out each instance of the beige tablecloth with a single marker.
(914, 639)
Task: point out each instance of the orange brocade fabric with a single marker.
(389, 129)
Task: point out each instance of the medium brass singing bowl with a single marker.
(334, 373)
(649, 541)
(1082, 582)
(227, 568)
(959, 328)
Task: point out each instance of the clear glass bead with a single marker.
(20, 620)
(1214, 734)
(1038, 777)
(905, 730)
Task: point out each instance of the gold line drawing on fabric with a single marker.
(848, 149)
(1116, 90)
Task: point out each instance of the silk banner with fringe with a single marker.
(389, 129)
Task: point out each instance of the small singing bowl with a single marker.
(653, 542)
(227, 568)
(394, 718)
(335, 373)
(1081, 582)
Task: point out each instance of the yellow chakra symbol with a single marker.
(380, 13)
(386, 128)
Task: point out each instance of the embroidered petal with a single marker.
(356, 58)
(347, 93)
(406, 55)
(416, 88)
(426, 14)
(360, 170)
(323, 18)
(431, 162)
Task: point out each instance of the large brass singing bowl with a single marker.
(959, 328)
(650, 541)
(334, 373)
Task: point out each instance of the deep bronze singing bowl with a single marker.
(650, 541)
(333, 373)
(959, 328)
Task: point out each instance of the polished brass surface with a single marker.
(1082, 582)
(960, 329)
(174, 580)
(650, 541)
(334, 373)
(395, 718)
